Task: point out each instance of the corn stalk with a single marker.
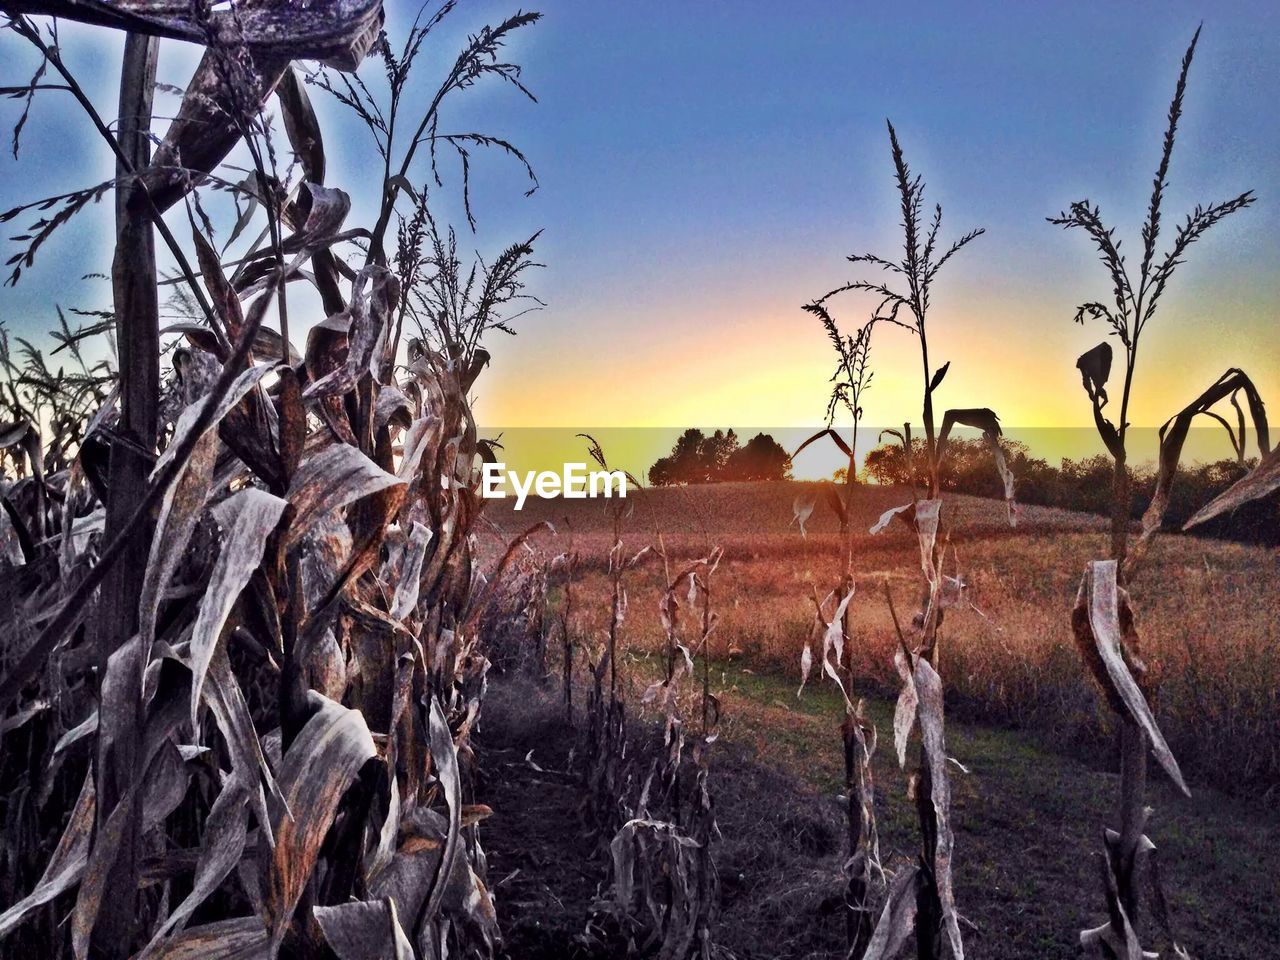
(665, 883)
(605, 753)
(857, 735)
(934, 917)
(286, 686)
(1104, 619)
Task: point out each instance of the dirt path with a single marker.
(541, 862)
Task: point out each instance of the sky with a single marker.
(705, 168)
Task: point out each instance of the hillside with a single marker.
(1010, 658)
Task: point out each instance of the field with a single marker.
(1011, 660)
(1022, 716)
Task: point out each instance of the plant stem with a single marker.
(137, 316)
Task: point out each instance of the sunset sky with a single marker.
(706, 167)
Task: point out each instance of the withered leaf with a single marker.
(904, 713)
(835, 438)
(1095, 368)
(886, 518)
(221, 849)
(1097, 627)
(364, 931)
(1173, 435)
(897, 920)
(410, 578)
(315, 772)
(245, 382)
(802, 510)
(328, 481)
(179, 513)
(247, 519)
(445, 757)
(241, 938)
(930, 712)
(225, 300)
(368, 316)
(1261, 481)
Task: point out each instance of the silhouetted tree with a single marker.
(763, 458)
(716, 451)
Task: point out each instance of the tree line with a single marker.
(1084, 484)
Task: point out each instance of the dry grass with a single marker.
(1207, 619)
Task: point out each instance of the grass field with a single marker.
(1021, 716)
(1011, 662)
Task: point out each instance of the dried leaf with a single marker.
(226, 302)
(315, 772)
(445, 757)
(886, 518)
(929, 686)
(368, 316)
(242, 938)
(983, 419)
(926, 518)
(897, 920)
(835, 438)
(221, 848)
(323, 210)
(904, 713)
(301, 126)
(245, 382)
(410, 577)
(338, 33)
(179, 512)
(364, 931)
(806, 665)
(802, 510)
(247, 519)
(150, 798)
(1095, 369)
(328, 481)
(938, 376)
(1172, 437)
(1096, 621)
(226, 702)
(1261, 481)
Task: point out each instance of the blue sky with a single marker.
(705, 167)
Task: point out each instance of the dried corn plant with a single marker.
(518, 621)
(605, 753)
(933, 917)
(566, 565)
(1104, 619)
(237, 710)
(830, 635)
(665, 884)
(57, 400)
(851, 379)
